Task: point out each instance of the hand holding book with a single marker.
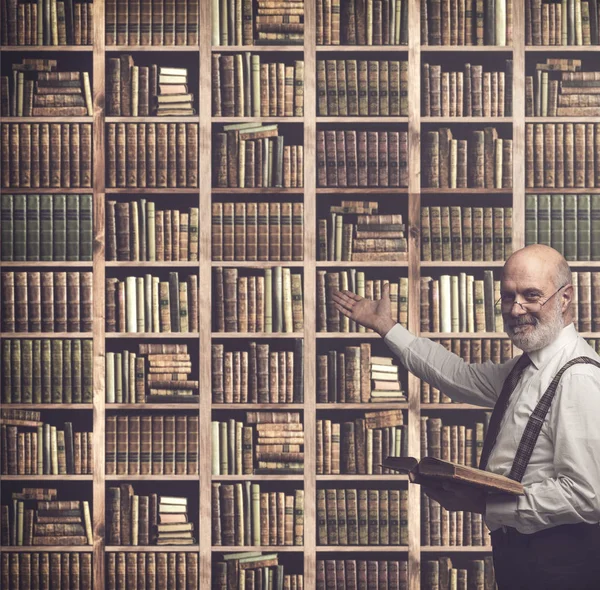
(457, 496)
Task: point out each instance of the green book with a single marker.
(67, 364)
(33, 227)
(531, 220)
(544, 219)
(26, 371)
(59, 218)
(570, 226)
(595, 226)
(6, 372)
(557, 223)
(72, 227)
(76, 383)
(46, 371)
(46, 235)
(20, 228)
(16, 371)
(37, 372)
(57, 371)
(6, 216)
(87, 377)
(85, 227)
(583, 227)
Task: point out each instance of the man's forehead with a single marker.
(523, 274)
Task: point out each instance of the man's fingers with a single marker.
(385, 291)
(342, 309)
(353, 296)
(342, 300)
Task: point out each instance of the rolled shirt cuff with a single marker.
(500, 510)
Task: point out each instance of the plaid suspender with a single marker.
(536, 420)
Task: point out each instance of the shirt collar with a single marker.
(540, 357)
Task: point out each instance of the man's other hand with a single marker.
(456, 496)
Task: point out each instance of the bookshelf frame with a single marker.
(410, 196)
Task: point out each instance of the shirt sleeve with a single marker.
(477, 383)
(571, 495)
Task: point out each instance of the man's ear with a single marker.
(566, 297)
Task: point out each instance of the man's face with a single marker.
(531, 329)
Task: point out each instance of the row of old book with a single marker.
(466, 233)
(443, 528)
(245, 85)
(273, 23)
(161, 444)
(46, 227)
(441, 574)
(251, 155)
(237, 451)
(151, 22)
(565, 222)
(157, 373)
(147, 304)
(138, 520)
(560, 88)
(151, 570)
(351, 158)
(30, 569)
(136, 230)
(38, 89)
(585, 305)
(381, 22)
(561, 155)
(50, 522)
(352, 574)
(48, 22)
(46, 371)
(471, 350)
(243, 514)
(373, 237)
(253, 569)
(58, 301)
(262, 374)
(32, 447)
(257, 231)
(484, 160)
(355, 376)
(350, 87)
(565, 23)
(460, 303)
(470, 93)
(362, 516)
(329, 319)
(57, 155)
(473, 23)
(359, 447)
(146, 90)
(267, 301)
(152, 155)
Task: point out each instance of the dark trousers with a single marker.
(565, 557)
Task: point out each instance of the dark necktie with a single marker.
(494, 427)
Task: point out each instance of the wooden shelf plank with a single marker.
(168, 192)
(258, 120)
(152, 264)
(374, 264)
(46, 48)
(46, 120)
(467, 48)
(256, 264)
(372, 119)
(152, 48)
(464, 334)
(345, 335)
(363, 190)
(469, 120)
(562, 48)
(46, 190)
(257, 48)
(153, 119)
(363, 48)
(372, 477)
(257, 191)
(452, 406)
(161, 477)
(563, 118)
(462, 264)
(466, 191)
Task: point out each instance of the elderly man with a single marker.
(548, 538)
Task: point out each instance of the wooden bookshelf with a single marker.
(409, 199)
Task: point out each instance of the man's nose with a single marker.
(517, 309)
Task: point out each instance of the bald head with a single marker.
(542, 261)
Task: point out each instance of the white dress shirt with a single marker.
(562, 480)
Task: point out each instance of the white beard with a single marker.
(542, 334)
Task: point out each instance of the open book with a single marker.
(431, 471)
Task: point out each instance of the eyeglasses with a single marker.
(534, 304)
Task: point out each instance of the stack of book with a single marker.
(282, 24)
(360, 446)
(472, 93)
(147, 304)
(51, 522)
(173, 97)
(47, 301)
(349, 158)
(46, 227)
(268, 303)
(38, 89)
(253, 569)
(46, 450)
(362, 574)
(245, 86)
(277, 447)
(565, 222)
(385, 381)
(441, 573)
(561, 155)
(354, 22)
(371, 237)
(560, 88)
(47, 22)
(460, 303)
(244, 515)
(158, 445)
(471, 350)
(329, 319)
(157, 373)
(483, 161)
(63, 370)
(362, 516)
(249, 155)
(263, 374)
(173, 527)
